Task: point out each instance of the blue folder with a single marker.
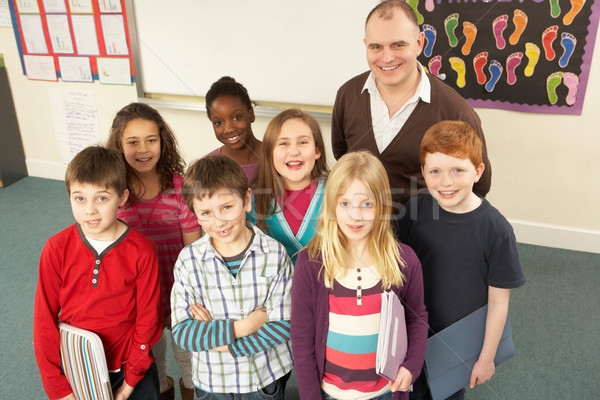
(452, 353)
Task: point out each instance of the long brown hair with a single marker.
(268, 184)
(169, 162)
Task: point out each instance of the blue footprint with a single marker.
(568, 43)
(430, 35)
(495, 71)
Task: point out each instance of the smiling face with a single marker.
(295, 153)
(141, 145)
(222, 216)
(95, 209)
(392, 49)
(231, 121)
(355, 213)
(450, 181)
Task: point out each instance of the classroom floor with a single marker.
(555, 316)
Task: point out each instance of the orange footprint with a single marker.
(470, 32)
(520, 20)
(576, 6)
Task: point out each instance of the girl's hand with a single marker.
(403, 381)
(69, 397)
(482, 372)
(200, 313)
(124, 392)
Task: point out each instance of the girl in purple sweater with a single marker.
(337, 286)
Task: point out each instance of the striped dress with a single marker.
(162, 220)
(350, 354)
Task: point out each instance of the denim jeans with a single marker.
(146, 389)
(386, 396)
(273, 391)
(421, 390)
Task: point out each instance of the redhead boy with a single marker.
(101, 276)
(231, 300)
(467, 248)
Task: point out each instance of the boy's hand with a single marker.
(403, 381)
(200, 313)
(482, 372)
(124, 392)
(69, 397)
(258, 318)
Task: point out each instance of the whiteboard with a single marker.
(287, 51)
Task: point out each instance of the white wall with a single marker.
(545, 167)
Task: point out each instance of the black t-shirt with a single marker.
(461, 254)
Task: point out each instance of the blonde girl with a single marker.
(156, 209)
(291, 180)
(337, 286)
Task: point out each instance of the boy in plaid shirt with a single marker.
(231, 297)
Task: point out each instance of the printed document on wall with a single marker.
(75, 121)
(113, 28)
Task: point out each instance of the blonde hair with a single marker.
(331, 242)
(268, 183)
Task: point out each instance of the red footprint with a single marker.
(547, 39)
(479, 61)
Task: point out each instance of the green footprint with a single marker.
(450, 24)
(552, 82)
(414, 4)
(554, 8)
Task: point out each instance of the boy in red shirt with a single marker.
(102, 276)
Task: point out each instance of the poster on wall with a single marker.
(531, 56)
(91, 32)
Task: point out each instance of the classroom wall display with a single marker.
(523, 55)
(75, 40)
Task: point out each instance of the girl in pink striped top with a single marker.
(156, 209)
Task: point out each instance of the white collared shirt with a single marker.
(384, 127)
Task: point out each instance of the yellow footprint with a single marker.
(532, 51)
(458, 65)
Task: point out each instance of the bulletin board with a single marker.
(74, 40)
(520, 55)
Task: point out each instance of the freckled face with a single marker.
(450, 181)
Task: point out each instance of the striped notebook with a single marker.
(84, 363)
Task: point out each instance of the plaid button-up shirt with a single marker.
(263, 280)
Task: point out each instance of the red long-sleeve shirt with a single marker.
(115, 295)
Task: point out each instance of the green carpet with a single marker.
(555, 316)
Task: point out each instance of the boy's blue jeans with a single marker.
(274, 391)
(421, 390)
(146, 389)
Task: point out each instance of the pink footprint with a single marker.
(498, 26)
(512, 62)
(548, 38)
(479, 61)
(434, 65)
(429, 6)
(571, 81)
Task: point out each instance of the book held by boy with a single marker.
(84, 363)
(452, 353)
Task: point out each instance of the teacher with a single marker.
(388, 109)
